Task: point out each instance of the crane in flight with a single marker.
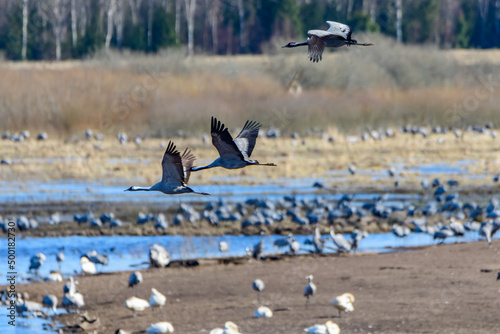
(337, 35)
(234, 154)
(176, 172)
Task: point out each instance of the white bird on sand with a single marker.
(87, 266)
(157, 299)
(343, 303)
(229, 328)
(235, 153)
(259, 286)
(176, 172)
(72, 298)
(310, 289)
(328, 328)
(338, 34)
(263, 312)
(136, 304)
(160, 327)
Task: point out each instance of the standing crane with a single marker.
(176, 172)
(337, 35)
(310, 289)
(234, 154)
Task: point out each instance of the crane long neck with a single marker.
(137, 188)
(216, 163)
(298, 44)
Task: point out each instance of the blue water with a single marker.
(132, 252)
(23, 325)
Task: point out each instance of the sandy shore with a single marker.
(438, 289)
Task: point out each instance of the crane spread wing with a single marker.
(188, 159)
(315, 47)
(223, 142)
(340, 29)
(247, 138)
(173, 171)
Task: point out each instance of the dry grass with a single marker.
(312, 159)
(384, 85)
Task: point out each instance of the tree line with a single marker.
(65, 29)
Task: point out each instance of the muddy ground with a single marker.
(437, 289)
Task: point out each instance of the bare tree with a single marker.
(150, 23)
(241, 13)
(73, 23)
(111, 13)
(57, 10)
(399, 21)
(178, 5)
(134, 8)
(25, 30)
(190, 10)
(213, 14)
(119, 20)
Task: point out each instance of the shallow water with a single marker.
(72, 191)
(23, 325)
(129, 252)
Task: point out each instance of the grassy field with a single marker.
(353, 88)
(309, 157)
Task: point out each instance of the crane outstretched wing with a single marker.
(315, 47)
(188, 159)
(173, 172)
(223, 142)
(247, 138)
(340, 29)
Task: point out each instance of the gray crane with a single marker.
(235, 153)
(51, 302)
(176, 172)
(259, 286)
(338, 34)
(36, 262)
(310, 289)
(339, 241)
(258, 248)
(135, 279)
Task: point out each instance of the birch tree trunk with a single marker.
(190, 10)
(119, 18)
(214, 12)
(73, 23)
(150, 24)
(399, 21)
(57, 10)
(25, 30)
(241, 13)
(133, 9)
(178, 5)
(111, 12)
